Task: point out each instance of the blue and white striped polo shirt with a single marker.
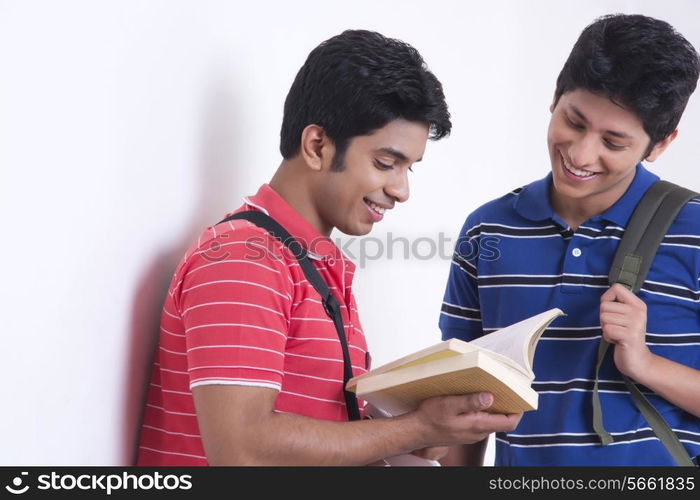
(516, 258)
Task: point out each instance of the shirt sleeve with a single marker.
(460, 315)
(235, 301)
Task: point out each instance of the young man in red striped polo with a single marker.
(249, 367)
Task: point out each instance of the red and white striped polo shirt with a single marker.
(239, 311)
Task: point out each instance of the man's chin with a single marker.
(359, 230)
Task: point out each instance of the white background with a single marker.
(128, 126)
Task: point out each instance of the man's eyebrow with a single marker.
(621, 135)
(614, 133)
(397, 154)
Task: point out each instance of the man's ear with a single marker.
(317, 149)
(660, 146)
(554, 102)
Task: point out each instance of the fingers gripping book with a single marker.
(499, 362)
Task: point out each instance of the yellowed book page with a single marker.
(518, 340)
(401, 391)
(441, 350)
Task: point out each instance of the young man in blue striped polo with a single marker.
(618, 101)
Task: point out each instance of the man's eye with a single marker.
(571, 123)
(613, 146)
(382, 166)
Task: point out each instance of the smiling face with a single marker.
(594, 146)
(374, 178)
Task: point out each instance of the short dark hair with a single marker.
(638, 62)
(357, 82)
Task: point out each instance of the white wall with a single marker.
(127, 126)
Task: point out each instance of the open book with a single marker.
(499, 362)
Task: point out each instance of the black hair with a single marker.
(638, 62)
(357, 82)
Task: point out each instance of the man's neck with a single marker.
(576, 211)
(292, 182)
(572, 218)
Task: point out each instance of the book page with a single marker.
(441, 350)
(397, 392)
(518, 341)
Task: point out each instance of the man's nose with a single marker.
(585, 151)
(398, 186)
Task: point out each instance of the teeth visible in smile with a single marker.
(575, 171)
(376, 208)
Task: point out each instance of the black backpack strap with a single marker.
(645, 231)
(330, 304)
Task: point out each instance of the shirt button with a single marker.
(576, 252)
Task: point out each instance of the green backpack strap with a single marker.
(644, 233)
(645, 230)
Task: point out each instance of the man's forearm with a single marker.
(678, 384)
(286, 439)
(239, 427)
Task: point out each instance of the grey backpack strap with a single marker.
(645, 231)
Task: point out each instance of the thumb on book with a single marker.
(485, 399)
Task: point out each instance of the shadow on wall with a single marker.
(221, 169)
